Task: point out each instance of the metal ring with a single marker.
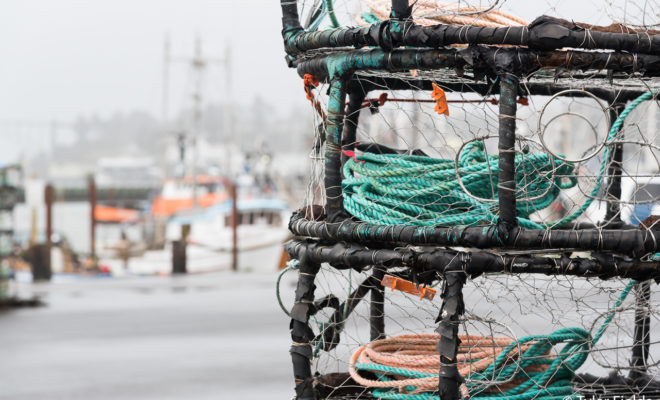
(541, 130)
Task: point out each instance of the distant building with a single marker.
(127, 172)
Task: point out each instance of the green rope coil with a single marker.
(416, 190)
(397, 189)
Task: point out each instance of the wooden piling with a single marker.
(92, 228)
(234, 226)
(49, 199)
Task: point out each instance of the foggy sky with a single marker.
(66, 58)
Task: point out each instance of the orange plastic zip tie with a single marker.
(440, 98)
(403, 285)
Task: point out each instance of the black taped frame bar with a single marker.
(642, 334)
(290, 19)
(449, 379)
(506, 186)
(544, 33)
(613, 197)
(301, 333)
(401, 9)
(633, 242)
(484, 59)
(331, 335)
(355, 256)
(333, 132)
(377, 305)
(355, 98)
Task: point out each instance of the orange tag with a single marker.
(440, 98)
(408, 287)
(310, 82)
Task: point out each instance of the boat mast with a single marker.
(198, 63)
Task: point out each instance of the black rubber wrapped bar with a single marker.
(290, 20)
(330, 337)
(544, 33)
(449, 379)
(642, 334)
(632, 242)
(355, 98)
(484, 60)
(301, 333)
(506, 186)
(401, 10)
(613, 197)
(377, 305)
(440, 260)
(334, 199)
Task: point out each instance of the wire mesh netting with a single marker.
(415, 166)
(500, 309)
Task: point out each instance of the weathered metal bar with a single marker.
(506, 186)
(543, 33)
(334, 199)
(449, 378)
(377, 305)
(331, 335)
(613, 197)
(633, 242)
(355, 98)
(301, 333)
(480, 59)
(642, 335)
(290, 19)
(349, 255)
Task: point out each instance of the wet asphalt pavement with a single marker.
(212, 336)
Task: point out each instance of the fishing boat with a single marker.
(200, 212)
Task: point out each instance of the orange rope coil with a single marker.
(417, 353)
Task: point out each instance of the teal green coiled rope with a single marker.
(395, 189)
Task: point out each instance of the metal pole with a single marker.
(335, 201)
(642, 335)
(301, 333)
(377, 305)
(234, 226)
(198, 64)
(506, 187)
(452, 308)
(92, 218)
(355, 99)
(613, 212)
(166, 80)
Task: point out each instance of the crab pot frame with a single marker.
(617, 249)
